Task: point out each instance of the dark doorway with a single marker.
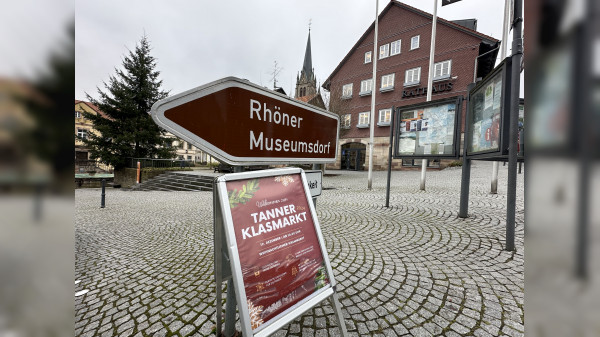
(353, 156)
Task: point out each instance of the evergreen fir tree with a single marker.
(50, 106)
(127, 130)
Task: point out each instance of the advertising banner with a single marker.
(428, 130)
(277, 243)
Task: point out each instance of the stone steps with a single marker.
(176, 181)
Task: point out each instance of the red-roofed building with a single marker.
(404, 41)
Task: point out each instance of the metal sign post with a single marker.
(465, 181)
(511, 193)
(270, 250)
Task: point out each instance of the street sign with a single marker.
(273, 249)
(314, 179)
(241, 123)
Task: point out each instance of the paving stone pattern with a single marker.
(414, 269)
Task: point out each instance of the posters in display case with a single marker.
(428, 130)
(487, 118)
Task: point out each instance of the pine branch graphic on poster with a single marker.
(244, 195)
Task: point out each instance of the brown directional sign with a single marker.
(448, 2)
(242, 123)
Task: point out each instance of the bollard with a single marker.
(102, 200)
(139, 173)
(37, 203)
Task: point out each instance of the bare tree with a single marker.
(336, 104)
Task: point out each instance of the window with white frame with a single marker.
(442, 70)
(366, 87)
(395, 47)
(385, 116)
(363, 119)
(414, 42)
(413, 76)
(77, 114)
(384, 51)
(82, 133)
(347, 90)
(387, 82)
(346, 121)
(368, 56)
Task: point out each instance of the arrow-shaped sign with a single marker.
(448, 2)
(239, 122)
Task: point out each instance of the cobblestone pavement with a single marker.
(414, 269)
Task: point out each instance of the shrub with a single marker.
(455, 163)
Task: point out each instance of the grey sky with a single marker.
(196, 42)
(29, 31)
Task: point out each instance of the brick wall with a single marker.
(401, 24)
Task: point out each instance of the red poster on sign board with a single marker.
(278, 246)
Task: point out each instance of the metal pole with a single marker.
(430, 82)
(494, 183)
(373, 91)
(217, 232)
(230, 305)
(511, 193)
(389, 172)
(338, 313)
(103, 198)
(503, 50)
(465, 182)
(37, 202)
(231, 302)
(584, 104)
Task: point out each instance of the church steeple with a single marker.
(306, 83)
(307, 67)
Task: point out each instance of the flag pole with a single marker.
(429, 82)
(373, 91)
(503, 50)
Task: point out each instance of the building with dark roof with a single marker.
(306, 82)
(404, 41)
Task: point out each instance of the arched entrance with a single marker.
(353, 156)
